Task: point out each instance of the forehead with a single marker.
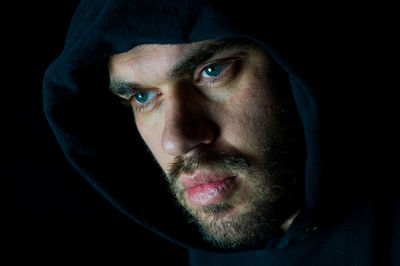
(167, 55)
(151, 50)
(155, 59)
(163, 54)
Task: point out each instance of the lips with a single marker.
(207, 188)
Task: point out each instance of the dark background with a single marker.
(53, 216)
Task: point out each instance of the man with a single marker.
(222, 126)
(230, 113)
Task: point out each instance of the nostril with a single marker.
(178, 140)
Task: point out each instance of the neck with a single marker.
(285, 226)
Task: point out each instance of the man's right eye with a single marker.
(143, 97)
(143, 100)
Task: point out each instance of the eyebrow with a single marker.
(185, 65)
(121, 87)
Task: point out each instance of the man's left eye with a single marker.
(211, 71)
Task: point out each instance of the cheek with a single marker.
(247, 117)
(151, 135)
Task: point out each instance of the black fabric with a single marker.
(350, 214)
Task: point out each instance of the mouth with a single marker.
(204, 188)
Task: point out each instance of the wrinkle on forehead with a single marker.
(154, 58)
(145, 50)
(149, 50)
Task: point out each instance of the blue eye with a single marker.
(212, 71)
(143, 97)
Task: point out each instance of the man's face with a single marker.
(219, 119)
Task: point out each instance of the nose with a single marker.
(186, 124)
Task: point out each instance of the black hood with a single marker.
(98, 135)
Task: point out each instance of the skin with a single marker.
(239, 110)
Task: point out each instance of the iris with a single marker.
(143, 97)
(212, 71)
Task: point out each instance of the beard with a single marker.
(273, 183)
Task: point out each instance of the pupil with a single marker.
(141, 97)
(213, 70)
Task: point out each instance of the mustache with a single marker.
(228, 162)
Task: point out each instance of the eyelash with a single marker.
(140, 107)
(226, 65)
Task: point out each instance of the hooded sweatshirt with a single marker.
(347, 218)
